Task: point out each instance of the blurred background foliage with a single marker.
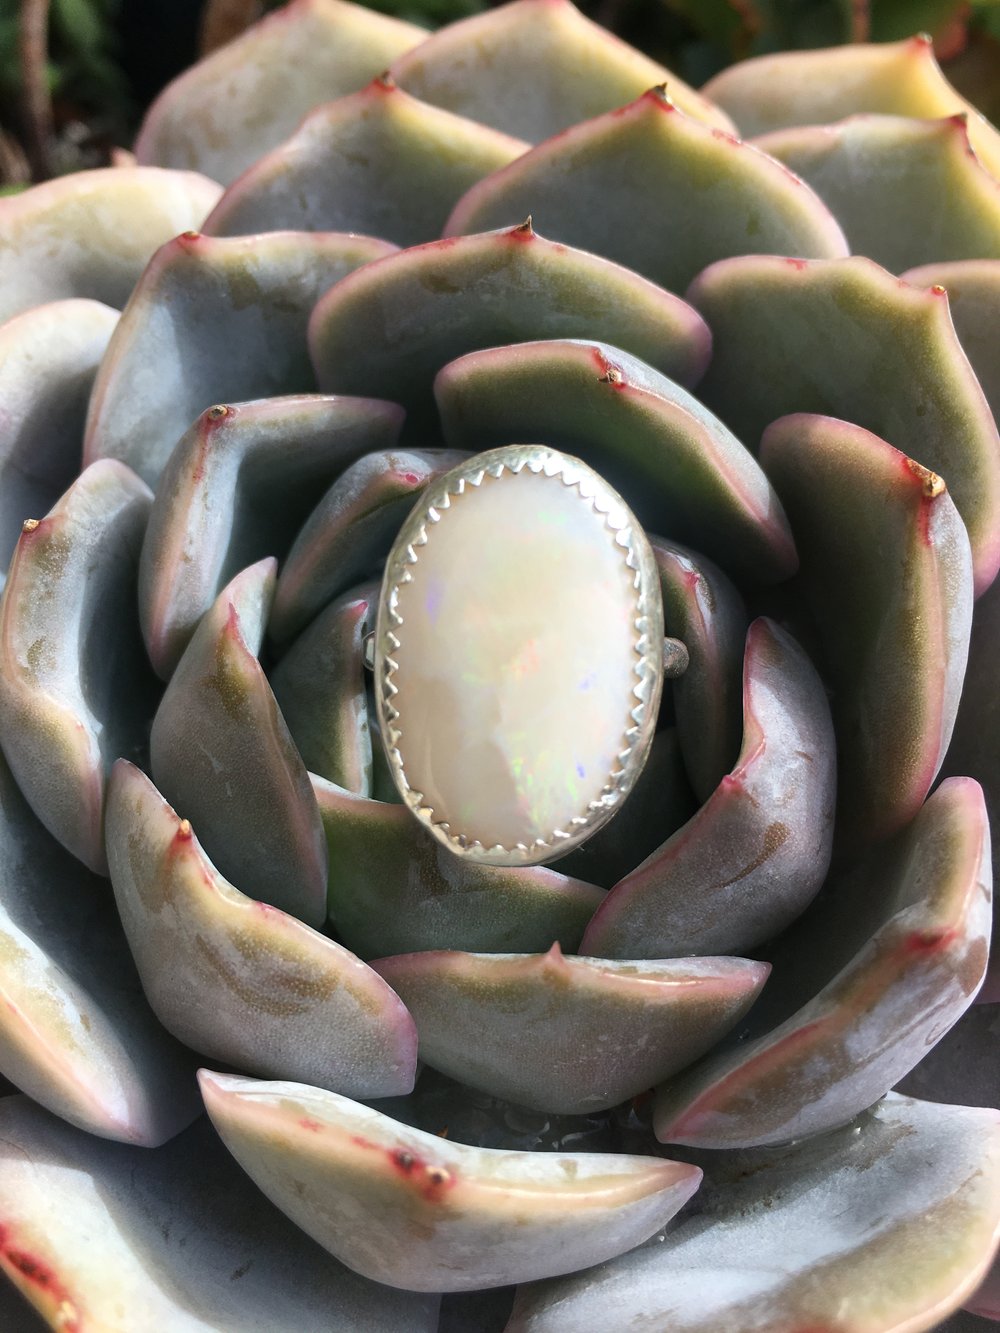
(76, 75)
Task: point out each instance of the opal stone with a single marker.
(516, 671)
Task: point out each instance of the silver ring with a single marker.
(503, 548)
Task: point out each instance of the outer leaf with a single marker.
(703, 609)
(320, 688)
(238, 980)
(416, 1211)
(74, 689)
(350, 530)
(237, 488)
(92, 233)
(393, 889)
(229, 108)
(888, 573)
(878, 173)
(842, 337)
(756, 853)
(973, 746)
(75, 1031)
(678, 466)
(925, 908)
(48, 358)
(676, 195)
(535, 67)
(974, 299)
(568, 1035)
(882, 1226)
(412, 313)
(106, 1239)
(211, 320)
(380, 162)
(814, 87)
(222, 755)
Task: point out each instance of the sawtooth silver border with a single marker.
(648, 621)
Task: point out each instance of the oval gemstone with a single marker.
(518, 655)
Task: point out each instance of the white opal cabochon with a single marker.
(518, 655)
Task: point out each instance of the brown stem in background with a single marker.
(14, 169)
(36, 102)
(222, 20)
(860, 21)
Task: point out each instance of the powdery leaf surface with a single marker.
(885, 1225)
(417, 1211)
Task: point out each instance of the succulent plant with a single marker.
(272, 342)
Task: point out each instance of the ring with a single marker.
(518, 655)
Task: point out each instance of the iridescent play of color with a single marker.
(521, 654)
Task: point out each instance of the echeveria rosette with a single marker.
(793, 906)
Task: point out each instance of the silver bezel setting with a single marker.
(648, 622)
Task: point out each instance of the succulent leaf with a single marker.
(237, 103)
(676, 195)
(319, 685)
(380, 162)
(350, 531)
(414, 1210)
(877, 173)
(888, 1222)
(91, 234)
(973, 288)
(236, 489)
(48, 358)
(75, 1030)
(887, 571)
(534, 67)
(973, 748)
(214, 320)
(568, 1035)
(240, 981)
(756, 853)
(75, 691)
(926, 903)
(220, 384)
(691, 476)
(100, 1236)
(221, 754)
(816, 87)
(412, 313)
(775, 324)
(703, 609)
(394, 889)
